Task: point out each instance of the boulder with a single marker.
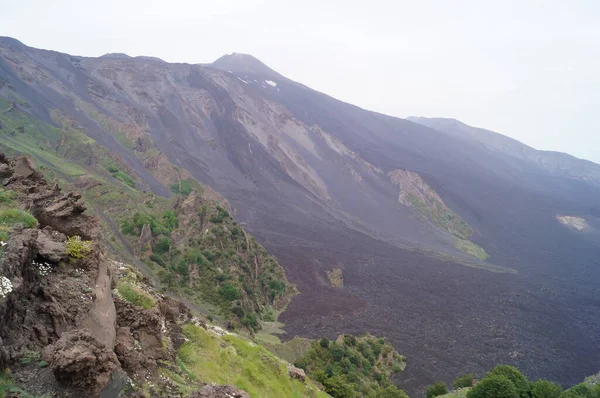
(24, 167)
(80, 361)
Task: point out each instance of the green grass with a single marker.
(12, 217)
(135, 295)
(471, 248)
(233, 360)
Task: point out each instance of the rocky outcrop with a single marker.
(79, 360)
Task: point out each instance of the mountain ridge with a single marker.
(308, 176)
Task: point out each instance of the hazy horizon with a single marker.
(527, 70)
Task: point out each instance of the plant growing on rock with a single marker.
(77, 248)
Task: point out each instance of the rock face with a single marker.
(79, 360)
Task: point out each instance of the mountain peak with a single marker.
(243, 63)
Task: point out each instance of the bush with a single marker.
(436, 389)
(157, 259)
(545, 389)
(494, 386)
(170, 221)
(520, 382)
(391, 392)
(127, 227)
(464, 381)
(77, 248)
(163, 245)
(184, 187)
(324, 342)
(12, 217)
(135, 296)
(250, 322)
(229, 292)
(339, 387)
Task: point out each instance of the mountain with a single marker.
(554, 163)
(459, 249)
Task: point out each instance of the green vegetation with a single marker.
(77, 248)
(464, 381)
(437, 389)
(228, 359)
(494, 386)
(545, 389)
(9, 389)
(351, 366)
(183, 187)
(438, 213)
(10, 217)
(506, 381)
(136, 296)
(214, 261)
(124, 178)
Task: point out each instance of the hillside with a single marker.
(410, 218)
(76, 321)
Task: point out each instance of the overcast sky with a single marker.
(528, 69)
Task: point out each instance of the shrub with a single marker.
(250, 322)
(545, 389)
(466, 380)
(350, 340)
(237, 310)
(76, 247)
(124, 178)
(170, 220)
(324, 342)
(494, 386)
(229, 292)
(339, 387)
(436, 389)
(520, 382)
(127, 227)
(391, 392)
(12, 217)
(184, 187)
(135, 296)
(157, 259)
(163, 245)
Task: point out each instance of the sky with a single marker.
(528, 69)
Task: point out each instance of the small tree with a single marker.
(494, 386)
(515, 376)
(324, 342)
(466, 380)
(545, 389)
(436, 389)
